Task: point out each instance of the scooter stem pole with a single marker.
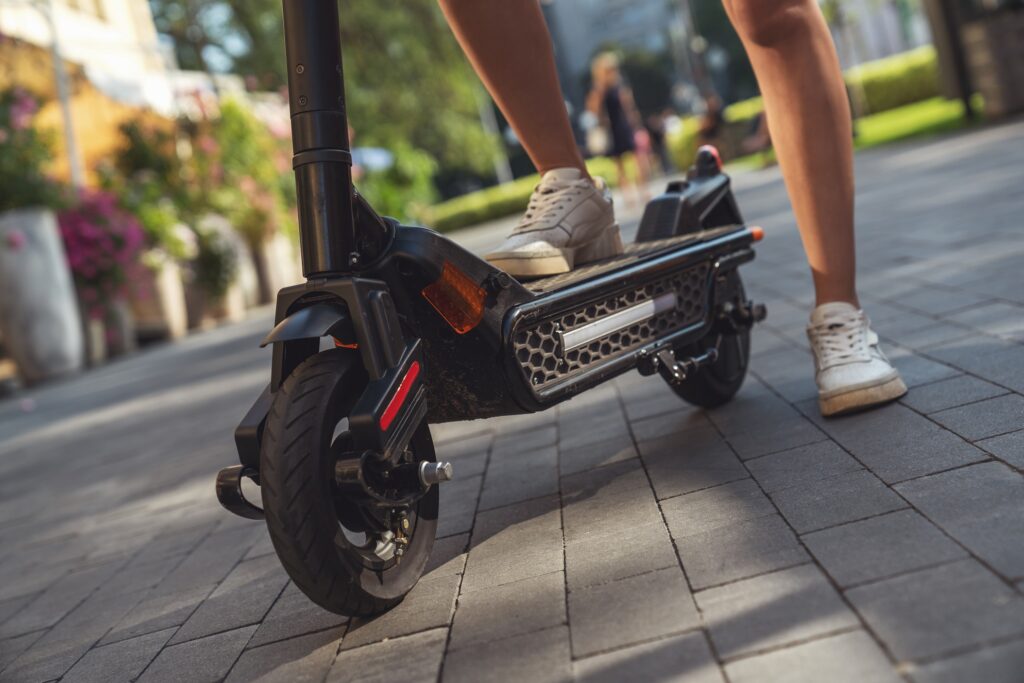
(322, 157)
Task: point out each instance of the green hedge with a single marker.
(880, 86)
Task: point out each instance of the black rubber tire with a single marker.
(296, 472)
(716, 384)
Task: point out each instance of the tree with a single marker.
(407, 81)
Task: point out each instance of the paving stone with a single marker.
(998, 361)
(428, 605)
(539, 657)
(461, 447)
(157, 612)
(757, 422)
(940, 301)
(679, 659)
(513, 543)
(52, 604)
(511, 444)
(606, 557)
(615, 449)
(525, 606)
(897, 444)
(916, 369)
(986, 418)
(122, 661)
(997, 318)
(305, 659)
(843, 658)
(57, 651)
(264, 546)
(10, 607)
(11, 648)
(803, 466)
(880, 547)
(645, 607)
(980, 507)
(771, 610)
(739, 551)
(412, 659)
(1009, 448)
(699, 459)
(198, 661)
(243, 598)
(923, 335)
(211, 561)
(975, 607)
(595, 428)
(448, 556)
(950, 393)
(293, 614)
(836, 500)
(666, 424)
(520, 476)
(458, 502)
(710, 509)
(997, 664)
(616, 498)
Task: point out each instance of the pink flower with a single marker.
(16, 240)
(4, 135)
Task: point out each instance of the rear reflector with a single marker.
(396, 402)
(757, 233)
(458, 299)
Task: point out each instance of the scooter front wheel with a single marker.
(350, 557)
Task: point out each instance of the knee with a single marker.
(768, 22)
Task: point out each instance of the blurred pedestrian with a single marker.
(611, 101)
(658, 134)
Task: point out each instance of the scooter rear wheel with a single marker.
(716, 384)
(334, 548)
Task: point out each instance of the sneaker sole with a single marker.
(863, 398)
(609, 244)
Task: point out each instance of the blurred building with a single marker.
(114, 41)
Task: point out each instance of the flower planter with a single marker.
(38, 309)
(158, 305)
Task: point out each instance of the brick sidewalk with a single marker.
(622, 536)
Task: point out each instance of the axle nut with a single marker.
(435, 472)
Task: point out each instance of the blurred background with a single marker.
(145, 180)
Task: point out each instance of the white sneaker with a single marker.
(569, 221)
(851, 371)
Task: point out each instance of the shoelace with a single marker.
(549, 197)
(842, 338)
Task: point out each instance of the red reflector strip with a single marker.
(396, 402)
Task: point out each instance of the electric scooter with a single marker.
(397, 327)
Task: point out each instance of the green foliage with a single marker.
(24, 151)
(146, 177)
(928, 117)
(407, 80)
(896, 81)
(215, 265)
(404, 189)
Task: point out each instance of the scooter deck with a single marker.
(633, 252)
(597, 321)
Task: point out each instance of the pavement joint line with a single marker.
(793, 643)
(813, 560)
(769, 572)
(859, 519)
(974, 647)
(462, 576)
(892, 487)
(904, 572)
(675, 547)
(645, 641)
(954, 468)
(291, 637)
(699, 490)
(561, 523)
(794, 448)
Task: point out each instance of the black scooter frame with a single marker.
(366, 274)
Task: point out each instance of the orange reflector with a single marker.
(338, 344)
(757, 232)
(396, 402)
(459, 300)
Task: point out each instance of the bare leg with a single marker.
(808, 113)
(524, 84)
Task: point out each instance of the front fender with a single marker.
(311, 322)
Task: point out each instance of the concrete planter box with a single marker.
(39, 315)
(159, 306)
